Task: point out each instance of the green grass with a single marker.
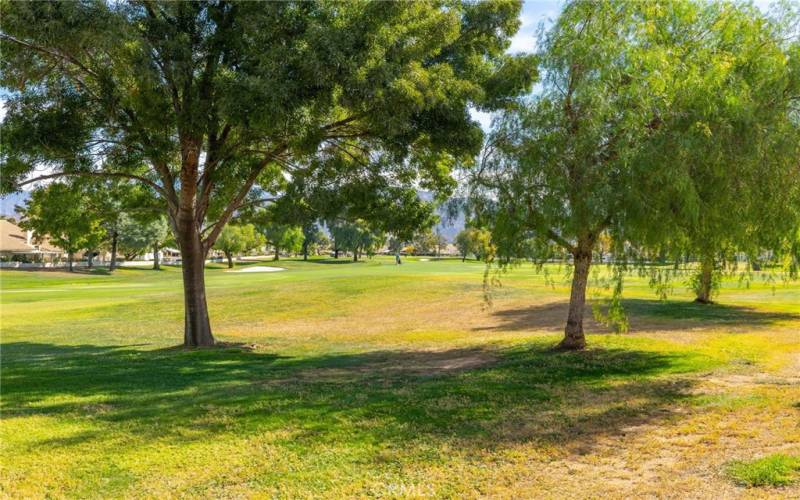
(773, 470)
(368, 379)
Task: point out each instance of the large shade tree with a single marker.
(584, 158)
(212, 105)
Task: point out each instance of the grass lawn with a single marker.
(345, 379)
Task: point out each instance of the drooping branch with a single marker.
(144, 180)
(58, 55)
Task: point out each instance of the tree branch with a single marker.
(50, 52)
(549, 232)
(144, 180)
(208, 242)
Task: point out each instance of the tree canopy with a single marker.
(139, 235)
(475, 241)
(357, 237)
(735, 140)
(236, 238)
(216, 105)
(615, 140)
(59, 212)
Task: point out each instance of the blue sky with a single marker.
(534, 13)
(538, 11)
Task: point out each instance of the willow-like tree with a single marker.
(584, 156)
(212, 104)
(737, 139)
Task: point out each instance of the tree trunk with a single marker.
(186, 226)
(70, 260)
(156, 264)
(90, 260)
(355, 255)
(113, 264)
(230, 260)
(277, 253)
(197, 328)
(305, 251)
(573, 333)
(335, 253)
(705, 284)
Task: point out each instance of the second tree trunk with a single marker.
(573, 332)
(705, 284)
(113, 264)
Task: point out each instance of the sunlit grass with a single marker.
(370, 379)
(772, 470)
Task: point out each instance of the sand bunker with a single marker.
(258, 269)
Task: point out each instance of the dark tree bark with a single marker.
(705, 284)
(197, 328)
(230, 259)
(355, 255)
(277, 253)
(186, 225)
(90, 260)
(156, 263)
(335, 253)
(305, 250)
(70, 261)
(113, 264)
(573, 333)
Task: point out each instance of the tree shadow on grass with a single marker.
(643, 314)
(480, 398)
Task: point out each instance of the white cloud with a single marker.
(524, 40)
(534, 12)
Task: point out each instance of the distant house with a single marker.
(17, 244)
